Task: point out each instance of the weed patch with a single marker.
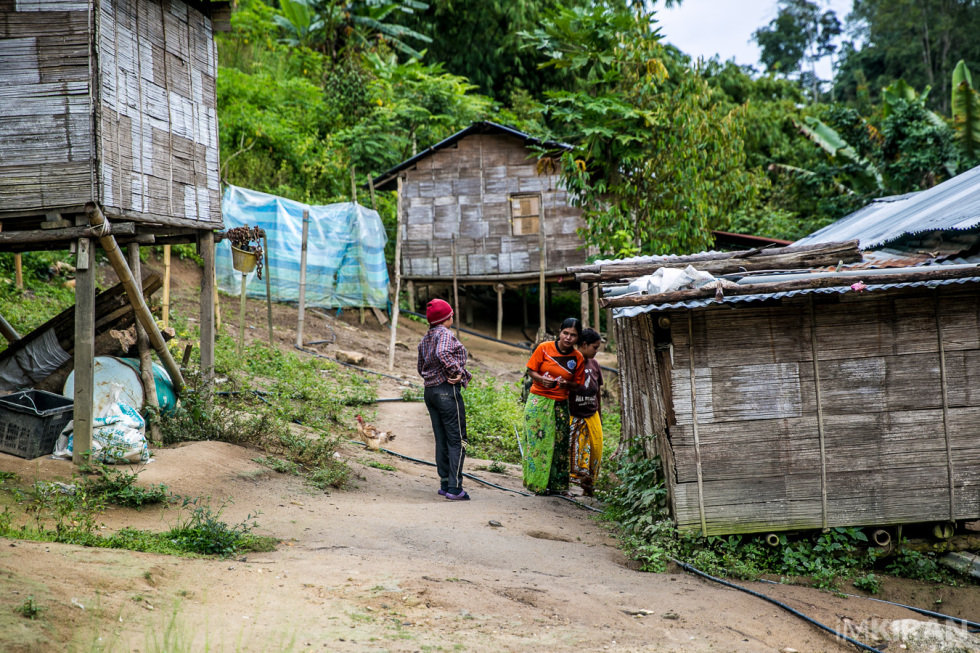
(494, 416)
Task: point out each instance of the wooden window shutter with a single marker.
(525, 214)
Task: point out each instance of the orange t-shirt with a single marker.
(546, 359)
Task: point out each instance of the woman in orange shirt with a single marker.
(555, 368)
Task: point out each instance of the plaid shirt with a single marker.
(442, 356)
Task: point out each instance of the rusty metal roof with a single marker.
(952, 206)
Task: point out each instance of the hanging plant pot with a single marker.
(242, 260)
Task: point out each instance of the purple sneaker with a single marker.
(462, 496)
(443, 493)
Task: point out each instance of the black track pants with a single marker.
(448, 415)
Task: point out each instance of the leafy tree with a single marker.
(799, 33)
(966, 112)
(915, 40)
(656, 163)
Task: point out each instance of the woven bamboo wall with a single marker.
(464, 191)
(153, 155)
(888, 445)
(45, 113)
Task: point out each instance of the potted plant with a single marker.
(246, 256)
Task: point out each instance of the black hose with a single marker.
(693, 570)
(359, 369)
(928, 613)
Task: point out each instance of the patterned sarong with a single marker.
(546, 445)
(586, 439)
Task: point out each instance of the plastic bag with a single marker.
(118, 435)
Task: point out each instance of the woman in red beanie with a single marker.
(442, 366)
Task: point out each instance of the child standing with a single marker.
(442, 366)
(586, 425)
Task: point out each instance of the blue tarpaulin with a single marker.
(345, 260)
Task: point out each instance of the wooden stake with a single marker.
(395, 309)
(146, 360)
(135, 295)
(302, 277)
(268, 286)
(410, 289)
(84, 351)
(596, 315)
(455, 288)
(583, 296)
(209, 312)
(18, 271)
(241, 317)
(217, 302)
(500, 310)
(166, 286)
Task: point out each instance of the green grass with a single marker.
(493, 412)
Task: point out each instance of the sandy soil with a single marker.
(388, 565)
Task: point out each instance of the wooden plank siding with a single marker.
(752, 436)
(118, 107)
(463, 192)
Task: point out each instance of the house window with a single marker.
(525, 214)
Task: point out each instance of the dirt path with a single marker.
(387, 565)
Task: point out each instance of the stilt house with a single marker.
(480, 207)
(108, 136)
(826, 395)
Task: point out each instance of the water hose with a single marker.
(698, 572)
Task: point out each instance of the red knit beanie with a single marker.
(438, 311)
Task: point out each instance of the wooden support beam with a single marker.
(302, 277)
(136, 299)
(146, 360)
(409, 287)
(500, 310)
(166, 286)
(583, 298)
(596, 316)
(84, 351)
(208, 313)
(67, 234)
(8, 331)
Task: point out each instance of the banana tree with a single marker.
(299, 22)
(966, 110)
(865, 175)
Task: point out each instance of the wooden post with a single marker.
(583, 295)
(18, 271)
(135, 295)
(84, 351)
(217, 302)
(209, 312)
(609, 327)
(455, 288)
(543, 291)
(268, 286)
(353, 199)
(395, 308)
(166, 286)
(596, 315)
(302, 277)
(410, 289)
(500, 310)
(146, 359)
(241, 316)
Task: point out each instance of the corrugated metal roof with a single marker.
(632, 311)
(953, 205)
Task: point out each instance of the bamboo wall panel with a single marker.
(143, 142)
(464, 192)
(886, 459)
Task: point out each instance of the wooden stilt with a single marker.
(596, 315)
(268, 286)
(217, 302)
(395, 308)
(84, 351)
(166, 286)
(18, 271)
(135, 295)
(146, 359)
(500, 310)
(455, 288)
(410, 289)
(302, 277)
(583, 294)
(209, 313)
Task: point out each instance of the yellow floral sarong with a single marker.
(586, 454)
